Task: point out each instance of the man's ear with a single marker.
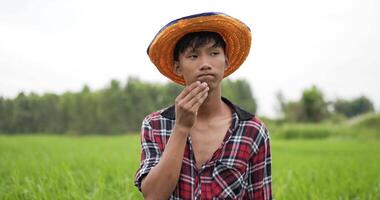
(177, 69)
(227, 63)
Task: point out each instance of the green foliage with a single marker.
(336, 118)
(115, 109)
(323, 130)
(325, 169)
(367, 121)
(314, 105)
(57, 167)
(293, 111)
(306, 131)
(354, 107)
(310, 108)
(240, 93)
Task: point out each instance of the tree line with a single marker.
(120, 108)
(113, 109)
(313, 107)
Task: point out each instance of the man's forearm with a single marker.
(163, 178)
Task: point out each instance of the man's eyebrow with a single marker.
(213, 47)
(190, 50)
(195, 49)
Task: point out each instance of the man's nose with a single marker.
(205, 64)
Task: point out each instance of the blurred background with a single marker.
(75, 84)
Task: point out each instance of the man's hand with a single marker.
(188, 102)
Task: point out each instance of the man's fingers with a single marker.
(198, 97)
(188, 102)
(193, 93)
(188, 89)
(198, 103)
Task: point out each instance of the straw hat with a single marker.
(235, 33)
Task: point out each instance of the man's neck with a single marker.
(213, 106)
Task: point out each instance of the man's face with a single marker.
(205, 64)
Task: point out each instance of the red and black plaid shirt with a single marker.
(239, 169)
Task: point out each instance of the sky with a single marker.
(61, 45)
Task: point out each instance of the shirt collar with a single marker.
(242, 114)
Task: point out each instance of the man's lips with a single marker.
(205, 76)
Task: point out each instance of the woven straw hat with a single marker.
(235, 33)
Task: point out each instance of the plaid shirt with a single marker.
(239, 169)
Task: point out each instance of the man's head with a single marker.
(198, 31)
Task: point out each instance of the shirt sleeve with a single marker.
(260, 177)
(150, 153)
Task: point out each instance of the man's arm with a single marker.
(163, 178)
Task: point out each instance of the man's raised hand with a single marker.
(188, 102)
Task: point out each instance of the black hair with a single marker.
(196, 40)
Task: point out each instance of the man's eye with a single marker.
(192, 56)
(214, 53)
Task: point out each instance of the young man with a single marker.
(203, 147)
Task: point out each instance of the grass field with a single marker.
(100, 167)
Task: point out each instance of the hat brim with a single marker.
(235, 33)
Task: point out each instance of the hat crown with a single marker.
(185, 17)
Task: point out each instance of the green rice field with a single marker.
(102, 167)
